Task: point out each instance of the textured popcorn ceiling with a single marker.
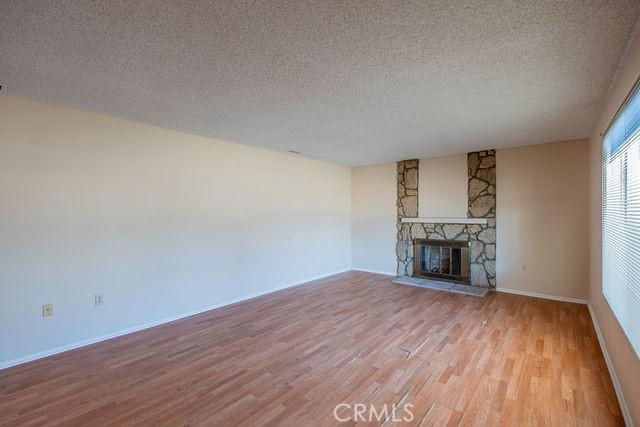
(352, 82)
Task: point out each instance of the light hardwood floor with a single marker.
(290, 357)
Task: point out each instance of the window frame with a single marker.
(620, 150)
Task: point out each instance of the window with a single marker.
(621, 218)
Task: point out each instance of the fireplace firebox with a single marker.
(441, 259)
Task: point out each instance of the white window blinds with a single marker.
(621, 218)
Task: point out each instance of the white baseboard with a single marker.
(386, 273)
(612, 372)
(93, 340)
(544, 296)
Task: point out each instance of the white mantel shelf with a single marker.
(449, 220)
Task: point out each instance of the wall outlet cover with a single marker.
(99, 299)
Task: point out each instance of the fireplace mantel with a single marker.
(450, 220)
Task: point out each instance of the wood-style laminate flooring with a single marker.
(288, 358)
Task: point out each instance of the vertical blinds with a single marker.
(621, 218)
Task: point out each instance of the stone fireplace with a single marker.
(473, 236)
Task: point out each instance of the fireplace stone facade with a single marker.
(481, 195)
(407, 189)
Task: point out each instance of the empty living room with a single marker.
(292, 213)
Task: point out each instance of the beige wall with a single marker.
(160, 222)
(373, 213)
(443, 183)
(542, 200)
(625, 361)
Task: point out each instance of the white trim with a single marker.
(612, 372)
(93, 340)
(446, 220)
(544, 296)
(386, 273)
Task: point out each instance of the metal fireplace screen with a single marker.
(441, 259)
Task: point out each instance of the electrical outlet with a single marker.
(47, 310)
(99, 299)
(524, 267)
